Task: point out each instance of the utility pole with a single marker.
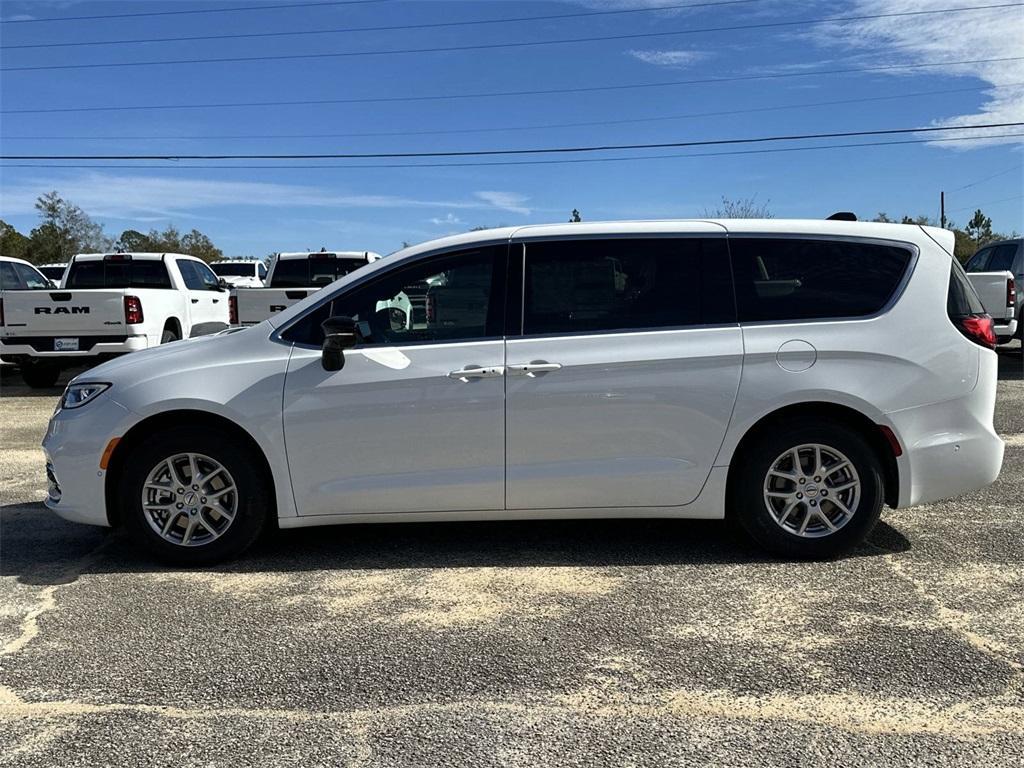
(942, 209)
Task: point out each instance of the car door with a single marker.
(204, 297)
(414, 421)
(621, 386)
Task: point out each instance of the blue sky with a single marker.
(257, 211)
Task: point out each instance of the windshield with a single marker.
(234, 270)
(302, 273)
(118, 274)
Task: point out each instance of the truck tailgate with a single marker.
(992, 290)
(257, 304)
(60, 313)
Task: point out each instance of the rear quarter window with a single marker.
(782, 279)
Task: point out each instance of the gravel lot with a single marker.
(605, 643)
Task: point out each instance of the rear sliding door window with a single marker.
(585, 286)
(805, 279)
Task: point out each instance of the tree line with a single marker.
(65, 229)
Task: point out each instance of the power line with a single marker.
(518, 151)
(506, 94)
(990, 202)
(503, 129)
(200, 10)
(1017, 168)
(513, 44)
(392, 28)
(490, 163)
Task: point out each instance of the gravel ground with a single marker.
(611, 643)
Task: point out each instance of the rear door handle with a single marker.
(216, 300)
(477, 372)
(532, 369)
(195, 301)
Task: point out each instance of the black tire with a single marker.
(168, 336)
(246, 468)
(40, 375)
(748, 506)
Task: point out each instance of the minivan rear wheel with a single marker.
(194, 498)
(808, 490)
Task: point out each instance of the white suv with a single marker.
(789, 376)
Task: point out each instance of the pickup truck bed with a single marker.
(998, 294)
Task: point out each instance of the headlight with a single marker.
(77, 395)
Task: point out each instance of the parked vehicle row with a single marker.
(108, 305)
(292, 277)
(790, 376)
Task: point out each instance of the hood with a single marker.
(167, 357)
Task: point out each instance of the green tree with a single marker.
(133, 241)
(195, 243)
(65, 230)
(12, 242)
(979, 228)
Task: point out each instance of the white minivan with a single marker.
(788, 376)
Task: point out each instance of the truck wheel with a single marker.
(168, 336)
(40, 375)
(194, 497)
(808, 490)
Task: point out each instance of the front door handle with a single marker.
(195, 301)
(476, 372)
(532, 369)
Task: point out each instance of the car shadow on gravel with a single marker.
(41, 549)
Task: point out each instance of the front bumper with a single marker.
(73, 445)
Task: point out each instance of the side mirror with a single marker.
(340, 333)
(223, 284)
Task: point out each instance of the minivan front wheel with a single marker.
(194, 498)
(811, 490)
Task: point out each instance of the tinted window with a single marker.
(9, 280)
(207, 278)
(54, 273)
(262, 272)
(316, 270)
(188, 273)
(233, 270)
(31, 278)
(450, 298)
(1002, 258)
(799, 279)
(148, 273)
(962, 299)
(583, 286)
(978, 261)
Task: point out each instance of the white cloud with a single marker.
(935, 38)
(116, 196)
(675, 59)
(450, 220)
(506, 201)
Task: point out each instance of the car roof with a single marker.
(55, 264)
(16, 260)
(342, 254)
(885, 231)
(237, 261)
(135, 255)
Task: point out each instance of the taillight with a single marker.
(233, 310)
(132, 310)
(978, 328)
(1011, 293)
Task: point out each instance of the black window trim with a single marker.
(897, 293)
(420, 258)
(527, 240)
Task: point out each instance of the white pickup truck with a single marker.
(240, 273)
(997, 273)
(291, 278)
(108, 305)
